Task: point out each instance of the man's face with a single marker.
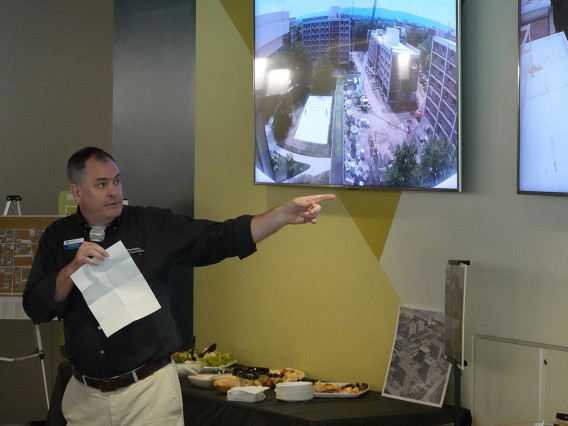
(99, 193)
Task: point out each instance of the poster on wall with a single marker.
(19, 240)
(417, 370)
(543, 89)
(456, 273)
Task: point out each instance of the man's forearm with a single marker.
(64, 284)
(267, 223)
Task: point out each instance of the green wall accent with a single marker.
(373, 215)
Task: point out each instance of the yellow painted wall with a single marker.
(312, 297)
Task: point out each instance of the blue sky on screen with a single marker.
(437, 10)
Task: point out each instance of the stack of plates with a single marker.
(294, 391)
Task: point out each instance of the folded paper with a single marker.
(115, 291)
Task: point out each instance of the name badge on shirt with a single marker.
(72, 244)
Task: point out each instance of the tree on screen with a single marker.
(438, 162)
(402, 170)
(282, 116)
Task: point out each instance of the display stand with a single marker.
(455, 302)
(38, 353)
(457, 394)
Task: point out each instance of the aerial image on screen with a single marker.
(543, 90)
(358, 93)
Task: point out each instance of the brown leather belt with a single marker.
(114, 383)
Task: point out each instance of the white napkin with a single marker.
(246, 393)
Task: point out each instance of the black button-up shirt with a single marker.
(156, 239)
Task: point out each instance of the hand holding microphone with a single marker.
(90, 251)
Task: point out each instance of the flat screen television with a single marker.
(358, 93)
(543, 90)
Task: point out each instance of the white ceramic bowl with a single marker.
(188, 368)
(202, 380)
(205, 380)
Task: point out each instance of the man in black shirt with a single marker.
(123, 375)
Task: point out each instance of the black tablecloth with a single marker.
(208, 407)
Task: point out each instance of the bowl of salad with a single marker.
(189, 362)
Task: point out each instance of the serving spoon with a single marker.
(211, 348)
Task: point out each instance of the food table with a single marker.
(206, 407)
(209, 407)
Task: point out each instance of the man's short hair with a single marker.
(76, 163)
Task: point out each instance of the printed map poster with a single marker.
(456, 272)
(19, 239)
(418, 371)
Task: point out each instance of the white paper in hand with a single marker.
(115, 291)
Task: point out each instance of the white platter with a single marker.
(338, 395)
(216, 369)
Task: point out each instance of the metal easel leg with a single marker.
(42, 361)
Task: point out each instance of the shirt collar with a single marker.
(81, 219)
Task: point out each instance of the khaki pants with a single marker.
(156, 400)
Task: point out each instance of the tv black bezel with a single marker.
(544, 192)
(459, 141)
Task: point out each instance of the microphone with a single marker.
(97, 234)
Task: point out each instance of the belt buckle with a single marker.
(106, 385)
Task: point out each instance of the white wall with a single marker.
(517, 244)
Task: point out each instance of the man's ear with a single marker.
(75, 192)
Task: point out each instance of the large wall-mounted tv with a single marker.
(543, 90)
(358, 93)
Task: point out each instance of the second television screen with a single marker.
(358, 93)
